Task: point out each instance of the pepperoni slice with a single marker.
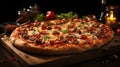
(57, 27)
(52, 42)
(84, 37)
(44, 32)
(44, 27)
(56, 33)
(35, 23)
(89, 41)
(93, 28)
(106, 28)
(58, 42)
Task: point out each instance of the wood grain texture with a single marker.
(28, 59)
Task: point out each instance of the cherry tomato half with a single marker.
(50, 15)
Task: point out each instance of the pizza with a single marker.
(61, 36)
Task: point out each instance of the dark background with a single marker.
(9, 8)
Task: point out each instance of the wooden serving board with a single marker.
(27, 59)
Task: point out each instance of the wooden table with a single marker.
(27, 59)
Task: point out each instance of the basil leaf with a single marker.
(40, 17)
(84, 17)
(59, 16)
(75, 15)
(69, 15)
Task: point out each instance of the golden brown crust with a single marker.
(50, 51)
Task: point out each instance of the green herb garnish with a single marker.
(84, 18)
(45, 37)
(86, 23)
(64, 31)
(67, 15)
(40, 17)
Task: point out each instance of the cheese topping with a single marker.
(49, 32)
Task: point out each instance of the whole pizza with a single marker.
(61, 36)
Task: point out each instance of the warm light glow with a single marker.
(111, 18)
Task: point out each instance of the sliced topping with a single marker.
(92, 28)
(48, 23)
(25, 36)
(30, 28)
(60, 37)
(65, 40)
(57, 27)
(49, 27)
(31, 38)
(75, 29)
(72, 30)
(106, 28)
(42, 40)
(71, 36)
(56, 32)
(78, 31)
(55, 22)
(44, 32)
(39, 41)
(35, 23)
(91, 17)
(58, 42)
(88, 41)
(52, 42)
(96, 25)
(101, 34)
(75, 41)
(71, 26)
(76, 20)
(84, 37)
(44, 27)
(23, 32)
(36, 35)
(63, 20)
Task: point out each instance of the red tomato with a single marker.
(50, 15)
(118, 30)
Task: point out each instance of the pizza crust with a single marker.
(50, 51)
